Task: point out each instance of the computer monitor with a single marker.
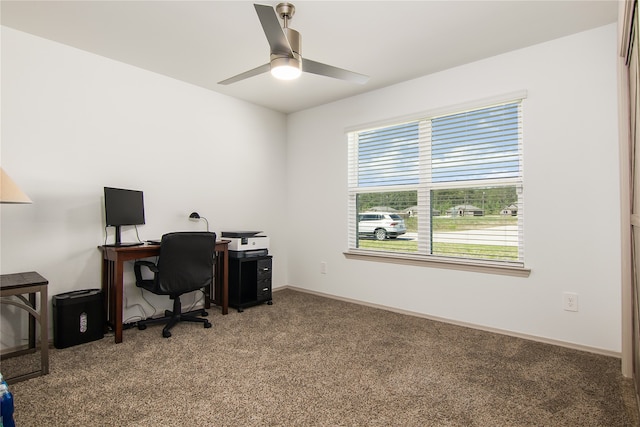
(123, 207)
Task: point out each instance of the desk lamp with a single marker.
(195, 215)
(10, 192)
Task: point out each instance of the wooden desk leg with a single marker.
(106, 294)
(118, 296)
(209, 294)
(207, 298)
(44, 330)
(32, 320)
(110, 274)
(220, 291)
(225, 281)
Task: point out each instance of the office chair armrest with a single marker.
(137, 269)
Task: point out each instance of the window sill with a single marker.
(417, 260)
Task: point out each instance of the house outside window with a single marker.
(449, 186)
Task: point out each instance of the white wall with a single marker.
(572, 240)
(74, 122)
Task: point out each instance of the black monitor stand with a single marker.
(119, 244)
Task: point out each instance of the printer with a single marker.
(244, 244)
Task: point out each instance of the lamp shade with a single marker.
(9, 191)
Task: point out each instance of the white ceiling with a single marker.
(203, 42)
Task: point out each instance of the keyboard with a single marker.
(123, 245)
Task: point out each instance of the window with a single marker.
(443, 187)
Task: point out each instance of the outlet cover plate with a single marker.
(570, 301)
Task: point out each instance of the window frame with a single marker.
(424, 188)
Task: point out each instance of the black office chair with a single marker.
(185, 264)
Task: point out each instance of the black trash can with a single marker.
(78, 317)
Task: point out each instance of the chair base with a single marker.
(172, 319)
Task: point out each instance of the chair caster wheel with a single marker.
(204, 314)
(166, 334)
(142, 327)
(207, 325)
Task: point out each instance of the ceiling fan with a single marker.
(286, 62)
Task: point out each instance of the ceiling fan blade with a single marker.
(314, 67)
(258, 70)
(272, 29)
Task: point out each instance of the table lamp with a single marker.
(196, 216)
(10, 192)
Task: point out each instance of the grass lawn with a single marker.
(504, 253)
(462, 223)
(449, 224)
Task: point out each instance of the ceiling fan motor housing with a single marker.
(284, 58)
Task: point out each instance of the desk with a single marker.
(112, 279)
(30, 283)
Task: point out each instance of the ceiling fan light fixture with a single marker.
(285, 49)
(285, 68)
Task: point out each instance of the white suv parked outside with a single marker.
(381, 225)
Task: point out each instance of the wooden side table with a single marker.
(13, 288)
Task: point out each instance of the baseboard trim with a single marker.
(536, 338)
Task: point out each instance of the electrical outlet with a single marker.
(323, 267)
(570, 301)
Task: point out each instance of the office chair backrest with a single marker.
(186, 261)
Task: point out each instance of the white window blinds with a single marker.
(389, 156)
(454, 180)
(478, 144)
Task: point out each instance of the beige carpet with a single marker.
(313, 361)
